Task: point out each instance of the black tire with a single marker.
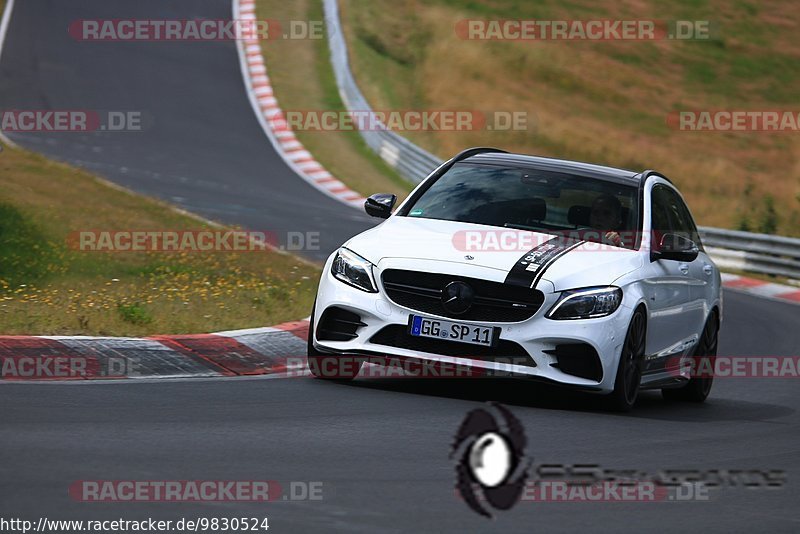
(629, 370)
(698, 387)
(330, 366)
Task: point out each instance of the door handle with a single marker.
(708, 269)
(683, 268)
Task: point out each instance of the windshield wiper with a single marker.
(521, 227)
(542, 228)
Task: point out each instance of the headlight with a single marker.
(586, 303)
(353, 270)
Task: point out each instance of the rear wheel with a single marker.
(698, 387)
(330, 366)
(629, 370)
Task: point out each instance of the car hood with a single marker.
(490, 247)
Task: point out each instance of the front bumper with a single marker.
(544, 340)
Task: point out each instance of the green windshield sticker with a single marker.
(416, 212)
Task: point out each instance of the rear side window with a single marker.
(660, 219)
(670, 215)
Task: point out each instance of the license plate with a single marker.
(451, 331)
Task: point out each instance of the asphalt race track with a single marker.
(380, 447)
(201, 147)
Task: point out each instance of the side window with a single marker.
(661, 222)
(683, 224)
(694, 235)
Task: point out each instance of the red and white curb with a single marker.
(761, 288)
(272, 120)
(276, 350)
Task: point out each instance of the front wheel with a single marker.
(629, 370)
(330, 366)
(698, 387)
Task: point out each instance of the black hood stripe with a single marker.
(530, 268)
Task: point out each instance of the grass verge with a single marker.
(48, 287)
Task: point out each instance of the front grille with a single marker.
(337, 324)
(494, 301)
(505, 351)
(578, 359)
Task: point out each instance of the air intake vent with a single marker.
(493, 301)
(578, 359)
(337, 324)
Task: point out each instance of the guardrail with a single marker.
(742, 251)
(411, 161)
(757, 253)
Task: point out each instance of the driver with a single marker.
(606, 215)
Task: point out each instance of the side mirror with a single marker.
(380, 205)
(675, 247)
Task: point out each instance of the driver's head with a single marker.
(606, 213)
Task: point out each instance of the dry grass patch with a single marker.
(604, 102)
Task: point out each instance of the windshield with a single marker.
(530, 199)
